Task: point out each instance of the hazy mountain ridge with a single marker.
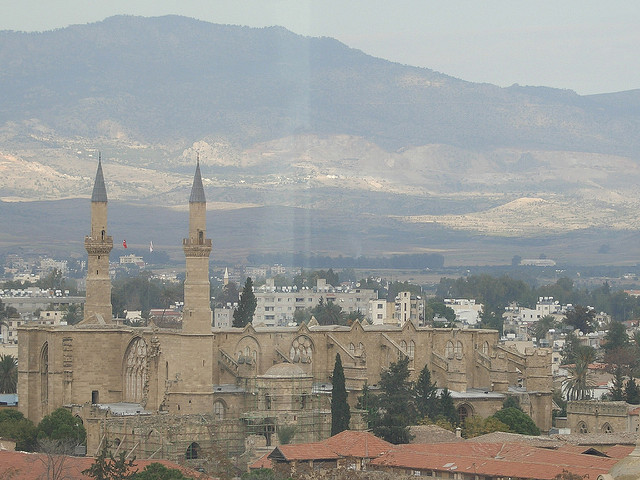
(177, 79)
(307, 125)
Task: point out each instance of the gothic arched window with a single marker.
(44, 373)
(135, 371)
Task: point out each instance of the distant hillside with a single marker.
(174, 79)
(306, 145)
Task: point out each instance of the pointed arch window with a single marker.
(135, 371)
(44, 373)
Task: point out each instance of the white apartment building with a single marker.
(223, 315)
(276, 306)
(467, 310)
(409, 308)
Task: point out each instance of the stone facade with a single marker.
(245, 383)
(591, 416)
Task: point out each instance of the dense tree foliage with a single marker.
(8, 374)
(310, 278)
(447, 409)
(542, 327)
(580, 318)
(329, 313)
(517, 421)
(616, 337)
(476, 426)
(14, 426)
(340, 412)
(246, 306)
(425, 394)
(632, 392)
(228, 293)
(368, 402)
(143, 293)
(397, 410)
(61, 425)
(436, 308)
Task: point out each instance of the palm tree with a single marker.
(8, 374)
(542, 326)
(579, 385)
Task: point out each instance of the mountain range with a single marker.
(312, 144)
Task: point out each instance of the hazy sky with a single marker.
(584, 45)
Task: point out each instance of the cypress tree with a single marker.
(246, 306)
(425, 395)
(340, 411)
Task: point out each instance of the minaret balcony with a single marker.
(98, 245)
(196, 247)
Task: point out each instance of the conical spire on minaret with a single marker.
(99, 190)
(197, 190)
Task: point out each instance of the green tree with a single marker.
(396, 405)
(511, 402)
(106, 467)
(340, 412)
(580, 318)
(436, 308)
(476, 426)
(632, 392)
(8, 374)
(616, 337)
(73, 314)
(246, 306)
(370, 404)
(617, 387)
(447, 409)
(542, 327)
(328, 313)
(228, 294)
(15, 426)
(302, 315)
(62, 426)
(425, 395)
(157, 471)
(579, 385)
(517, 421)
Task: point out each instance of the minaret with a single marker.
(196, 315)
(98, 246)
(225, 280)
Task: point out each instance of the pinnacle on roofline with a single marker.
(99, 190)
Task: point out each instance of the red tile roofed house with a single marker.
(349, 449)
(468, 460)
(27, 466)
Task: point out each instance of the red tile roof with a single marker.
(358, 444)
(27, 466)
(345, 444)
(263, 462)
(496, 459)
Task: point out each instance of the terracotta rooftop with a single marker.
(27, 466)
(349, 443)
(497, 459)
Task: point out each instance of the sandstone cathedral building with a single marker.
(176, 393)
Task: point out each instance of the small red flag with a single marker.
(124, 243)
